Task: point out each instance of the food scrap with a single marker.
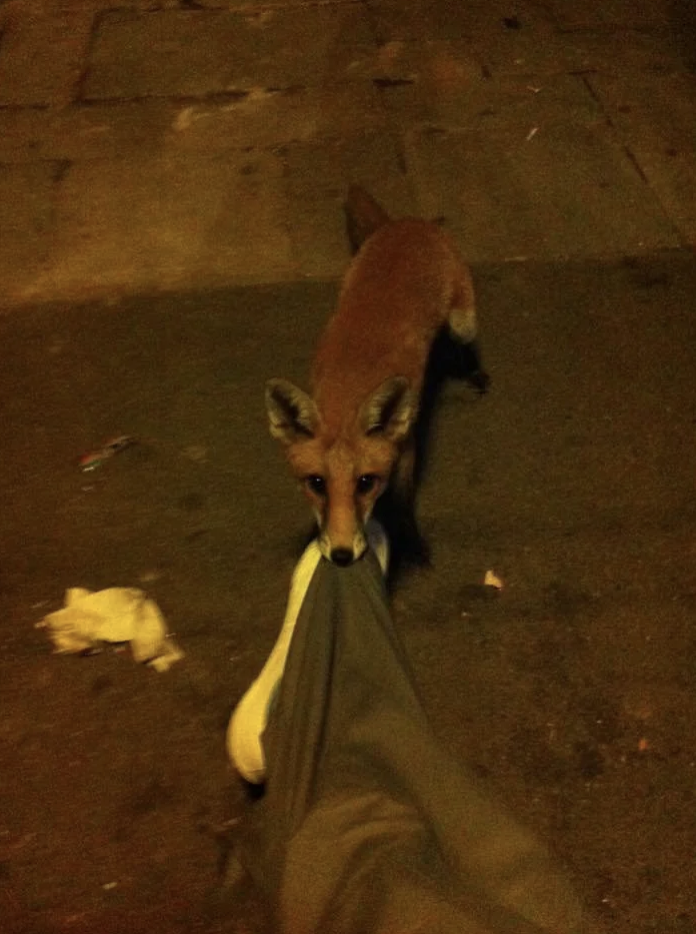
(118, 615)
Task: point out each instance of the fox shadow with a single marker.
(449, 359)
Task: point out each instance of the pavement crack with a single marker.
(632, 158)
(392, 82)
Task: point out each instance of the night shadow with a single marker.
(682, 14)
(449, 359)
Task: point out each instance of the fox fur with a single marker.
(352, 438)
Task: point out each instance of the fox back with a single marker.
(352, 437)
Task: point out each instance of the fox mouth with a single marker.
(341, 555)
(374, 538)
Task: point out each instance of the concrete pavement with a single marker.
(148, 146)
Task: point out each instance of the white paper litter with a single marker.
(117, 614)
(492, 580)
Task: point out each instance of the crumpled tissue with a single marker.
(117, 614)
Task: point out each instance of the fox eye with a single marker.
(366, 483)
(316, 484)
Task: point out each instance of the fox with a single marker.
(352, 437)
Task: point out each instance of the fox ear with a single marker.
(291, 412)
(390, 410)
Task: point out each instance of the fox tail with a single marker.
(363, 216)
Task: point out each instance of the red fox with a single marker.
(353, 436)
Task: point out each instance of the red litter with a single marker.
(96, 458)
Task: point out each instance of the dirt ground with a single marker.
(572, 693)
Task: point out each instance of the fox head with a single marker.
(343, 470)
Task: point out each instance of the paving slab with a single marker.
(631, 14)
(26, 213)
(109, 131)
(124, 226)
(549, 189)
(196, 53)
(161, 87)
(414, 79)
(448, 97)
(525, 42)
(23, 131)
(652, 111)
(672, 180)
(491, 33)
(579, 52)
(42, 53)
(654, 115)
(256, 119)
(268, 119)
(318, 175)
(439, 20)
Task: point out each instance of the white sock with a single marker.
(249, 718)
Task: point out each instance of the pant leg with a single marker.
(367, 824)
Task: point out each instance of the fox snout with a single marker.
(342, 505)
(342, 556)
(342, 551)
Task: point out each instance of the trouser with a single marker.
(367, 824)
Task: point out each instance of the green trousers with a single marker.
(367, 825)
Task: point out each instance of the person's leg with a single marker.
(249, 718)
(367, 824)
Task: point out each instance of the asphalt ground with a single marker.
(571, 692)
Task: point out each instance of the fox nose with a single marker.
(341, 556)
